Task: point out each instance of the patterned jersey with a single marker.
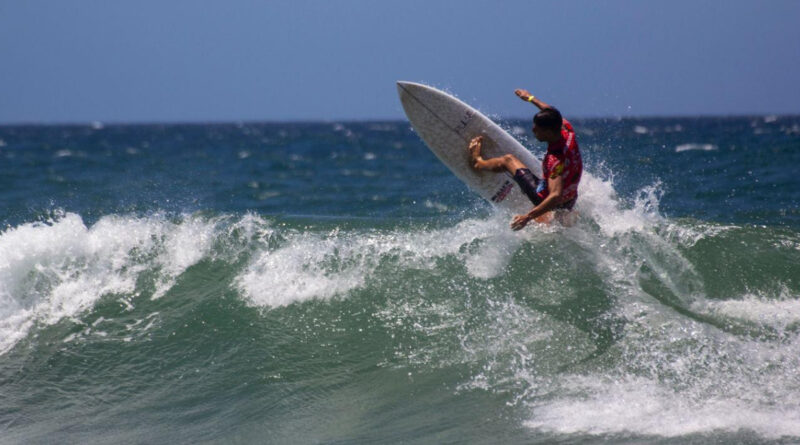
(563, 159)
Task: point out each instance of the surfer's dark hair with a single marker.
(549, 118)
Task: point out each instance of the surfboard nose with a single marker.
(404, 87)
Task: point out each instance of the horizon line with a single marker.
(102, 123)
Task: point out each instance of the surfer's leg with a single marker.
(508, 162)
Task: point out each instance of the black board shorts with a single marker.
(529, 184)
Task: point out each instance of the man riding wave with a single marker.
(562, 166)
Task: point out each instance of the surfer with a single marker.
(561, 166)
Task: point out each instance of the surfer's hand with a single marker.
(523, 94)
(519, 222)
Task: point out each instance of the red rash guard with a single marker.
(563, 159)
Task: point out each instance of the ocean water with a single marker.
(334, 283)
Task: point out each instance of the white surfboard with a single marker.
(447, 124)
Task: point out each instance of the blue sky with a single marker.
(240, 60)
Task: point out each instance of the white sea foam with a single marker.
(435, 205)
(58, 269)
(778, 313)
(676, 376)
(298, 272)
(642, 406)
(687, 235)
(695, 146)
(599, 201)
(321, 266)
(183, 246)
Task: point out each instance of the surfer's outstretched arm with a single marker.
(528, 97)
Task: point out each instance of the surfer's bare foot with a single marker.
(475, 151)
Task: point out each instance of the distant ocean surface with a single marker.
(335, 283)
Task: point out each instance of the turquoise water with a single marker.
(334, 283)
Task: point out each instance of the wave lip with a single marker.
(308, 266)
(59, 269)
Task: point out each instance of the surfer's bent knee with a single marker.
(512, 163)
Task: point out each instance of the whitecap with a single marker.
(695, 146)
(435, 205)
(59, 269)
